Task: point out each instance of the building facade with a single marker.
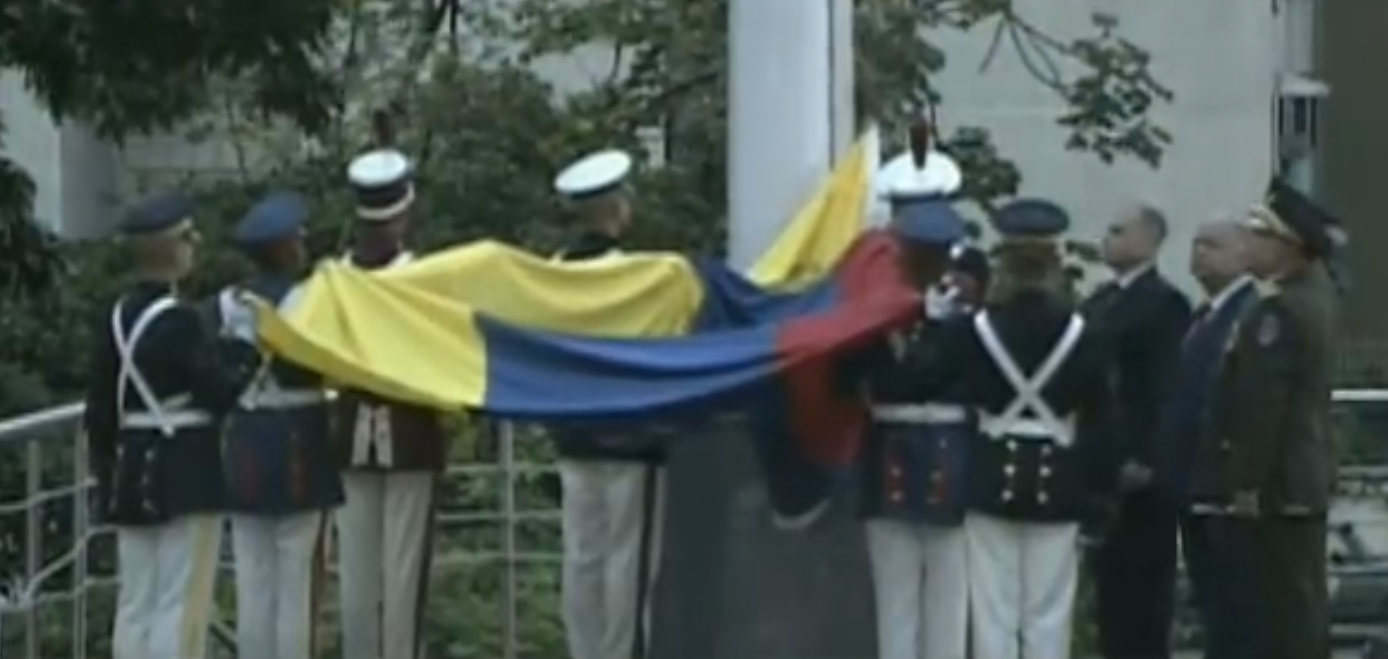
(1218, 58)
(1226, 62)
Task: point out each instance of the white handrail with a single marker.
(34, 425)
(1360, 396)
(32, 435)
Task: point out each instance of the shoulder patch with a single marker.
(1269, 329)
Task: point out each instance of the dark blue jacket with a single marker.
(1186, 402)
(280, 460)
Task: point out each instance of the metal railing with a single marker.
(56, 600)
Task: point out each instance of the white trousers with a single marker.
(603, 513)
(382, 530)
(1023, 577)
(165, 598)
(277, 560)
(920, 577)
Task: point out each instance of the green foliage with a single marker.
(138, 66)
(459, 87)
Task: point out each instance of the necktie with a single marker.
(1202, 313)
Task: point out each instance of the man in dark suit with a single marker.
(1219, 261)
(1265, 457)
(1145, 318)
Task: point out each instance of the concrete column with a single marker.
(33, 142)
(780, 115)
(737, 588)
(73, 171)
(843, 117)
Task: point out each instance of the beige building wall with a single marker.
(1218, 58)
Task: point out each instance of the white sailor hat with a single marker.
(383, 183)
(904, 181)
(594, 174)
(922, 172)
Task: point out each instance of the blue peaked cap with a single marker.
(157, 214)
(929, 221)
(278, 216)
(1031, 219)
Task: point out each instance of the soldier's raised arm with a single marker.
(217, 375)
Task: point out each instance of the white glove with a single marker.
(941, 304)
(238, 319)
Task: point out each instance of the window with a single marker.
(1297, 120)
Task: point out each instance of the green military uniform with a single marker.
(1267, 461)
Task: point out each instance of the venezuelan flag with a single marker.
(389, 331)
(766, 353)
(490, 328)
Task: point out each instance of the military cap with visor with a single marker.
(1289, 214)
(158, 215)
(1031, 220)
(277, 217)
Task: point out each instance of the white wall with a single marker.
(1218, 58)
(32, 141)
(74, 172)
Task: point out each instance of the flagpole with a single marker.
(781, 110)
(843, 119)
(789, 112)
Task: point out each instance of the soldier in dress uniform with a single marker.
(1038, 379)
(1266, 460)
(156, 395)
(281, 473)
(912, 464)
(612, 477)
(393, 453)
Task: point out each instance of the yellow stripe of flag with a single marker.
(410, 333)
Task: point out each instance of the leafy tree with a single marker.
(128, 67)
(297, 88)
(133, 67)
(123, 68)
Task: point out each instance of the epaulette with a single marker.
(1268, 288)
